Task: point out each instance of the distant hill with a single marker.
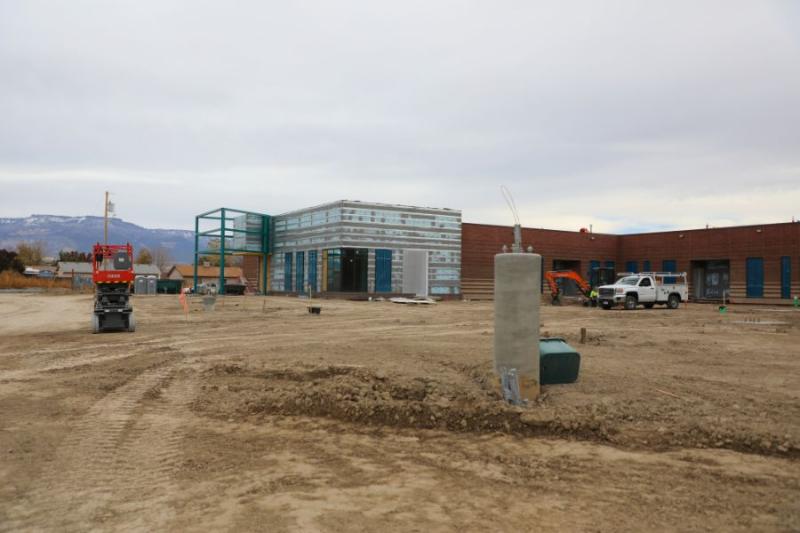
(80, 233)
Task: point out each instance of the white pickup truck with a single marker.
(645, 288)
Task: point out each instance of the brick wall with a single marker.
(480, 242)
(251, 268)
(768, 241)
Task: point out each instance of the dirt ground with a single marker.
(377, 416)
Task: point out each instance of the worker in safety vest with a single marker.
(593, 297)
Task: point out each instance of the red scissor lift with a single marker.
(112, 274)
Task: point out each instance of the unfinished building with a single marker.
(357, 247)
(352, 247)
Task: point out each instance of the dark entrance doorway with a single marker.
(347, 269)
(354, 269)
(568, 286)
(711, 279)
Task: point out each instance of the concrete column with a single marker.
(517, 287)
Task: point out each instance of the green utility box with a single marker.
(558, 362)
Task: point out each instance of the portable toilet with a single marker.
(140, 285)
(152, 283)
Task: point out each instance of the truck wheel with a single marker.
(631, 302)
(649, 306)
(95, 324)
(131, 323)
(673, 301)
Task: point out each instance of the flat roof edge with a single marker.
(364, 203)
(659, 232)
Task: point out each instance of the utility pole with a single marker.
(105, 221)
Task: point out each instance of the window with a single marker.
(593, 264)
(645, 282)
(312, 270)
(334, 270)
(300, 271)
(287, 271)
(669, 265)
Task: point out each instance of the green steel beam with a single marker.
(217, 232)
(224, 233)
(264, 250)
(196, 254)
(221, 286)
(228, 251)
(232, 210)
(202, 215)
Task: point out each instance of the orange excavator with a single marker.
(553, 276)
(598, 276)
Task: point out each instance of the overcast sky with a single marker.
(625, 115)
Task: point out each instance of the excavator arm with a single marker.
(555, 291)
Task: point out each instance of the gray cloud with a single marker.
(591, 113)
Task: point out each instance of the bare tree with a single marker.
(30, 253)
(162, 258)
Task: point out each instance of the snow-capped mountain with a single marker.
(80, 233)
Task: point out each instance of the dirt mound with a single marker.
(468, 402)
(358, 394)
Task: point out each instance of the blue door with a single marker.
(631, 266)
(312, 270)
(287, 272)
(592, 266)
(646, 266)
(300, 271)
(383, 271)
(786, 277)
(669, 265)
(755, 277)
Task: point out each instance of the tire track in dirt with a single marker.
(86, 359)
(84, 349)
(152, 453)
(122, 450)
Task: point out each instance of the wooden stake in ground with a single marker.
(668, 393)
(583, 335)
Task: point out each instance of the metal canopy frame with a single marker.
(223, 232)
